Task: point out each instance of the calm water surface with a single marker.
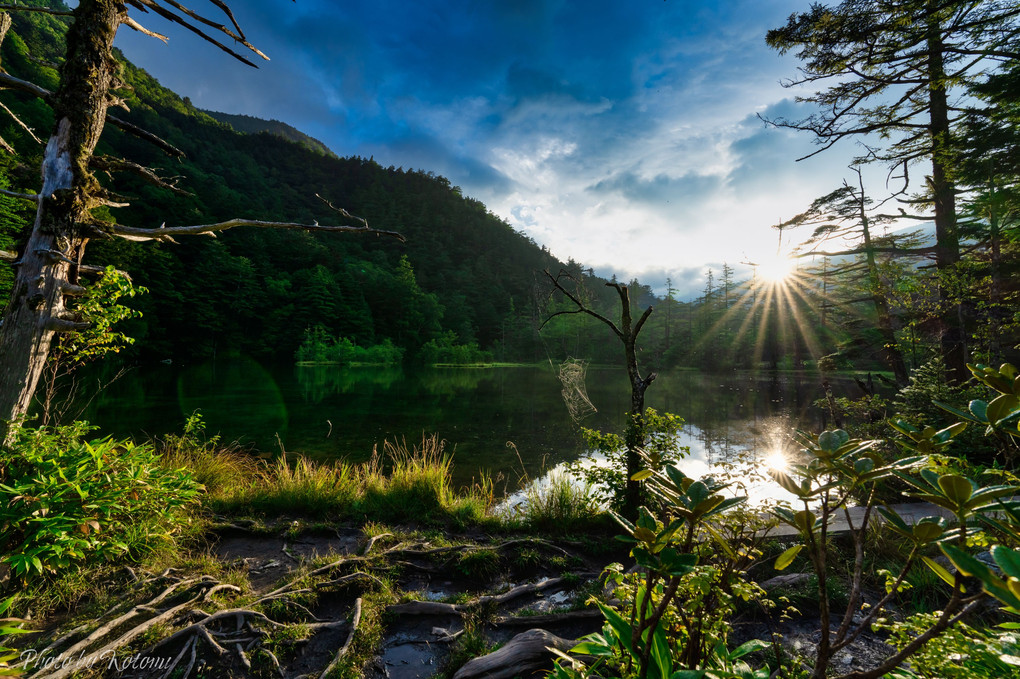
(331, 413)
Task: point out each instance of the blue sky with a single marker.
(622, 134)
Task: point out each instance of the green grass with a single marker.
(405, 484)
(561, 504)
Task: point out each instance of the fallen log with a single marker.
(526, 652)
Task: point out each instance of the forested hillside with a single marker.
(253, 125)
(461, 277)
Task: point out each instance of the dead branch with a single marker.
(21, 124)
(239, 36)
(547, 619)
(165, 232)
(518, 591)
(173, 18)
(580, 306)
(43, 10)
(355, 621)
(524, 653)
(8, 81)
(375, 538)
(109, 164)
(131, 23)
(145, 135)
(424, 608)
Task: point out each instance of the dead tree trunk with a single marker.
(49, 266)
(627, 332)
(47, 271)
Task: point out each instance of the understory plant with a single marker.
(67, 501)
(659, 436)
(672, 621)
(839, 468)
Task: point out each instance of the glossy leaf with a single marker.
(787, 557)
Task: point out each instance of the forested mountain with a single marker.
(462, 275)
(253, 125)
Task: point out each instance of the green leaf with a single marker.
(940, 571)
(1008, 560)
(927, 531)
(642, 475)
(787, 557)
(831, 441)
(749, 647)
(592, 648)
(620, 626)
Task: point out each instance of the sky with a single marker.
(622, 134)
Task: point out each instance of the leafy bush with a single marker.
(319, 347)
(65, 501)
(444, 351)
(660, 435)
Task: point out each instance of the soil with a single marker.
(485, 589)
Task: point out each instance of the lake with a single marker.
(328, 412)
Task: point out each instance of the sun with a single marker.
(776, 461)
(776, 268)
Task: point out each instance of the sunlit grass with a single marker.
(405, 484)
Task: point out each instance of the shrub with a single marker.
(66, 502)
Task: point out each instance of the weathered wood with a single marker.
(424, 608)
(526, 652)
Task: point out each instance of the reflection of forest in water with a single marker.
(329, 412)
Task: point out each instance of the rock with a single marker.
(787, 580)
(524, 653)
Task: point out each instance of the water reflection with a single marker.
(328, 412)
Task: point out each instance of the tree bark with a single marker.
(50, 260)
(943, 189)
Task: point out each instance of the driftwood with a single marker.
(424, 608)
(524, 653)
(547, 619)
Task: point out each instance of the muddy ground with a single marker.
(405, 605)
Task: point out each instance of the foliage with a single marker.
(101, 309)
(318, 347)
(444, 351)
(9, 627)
(837, 468)
(660, 434)
(67, 502)
(676, 607)
(961, 652)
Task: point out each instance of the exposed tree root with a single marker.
(355, 621)
(185, 632)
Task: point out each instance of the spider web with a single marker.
(572, 374)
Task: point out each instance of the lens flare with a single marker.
(776, 461)
(777, 268)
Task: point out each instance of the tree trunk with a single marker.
(947, 241)
(48, 268)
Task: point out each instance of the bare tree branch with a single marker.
(239, 37)
(110, 164)
(43, 10)
(136, 131)
(131, 23)
(10, 82)
(166, 233)
(170, 16)
(556, 282)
